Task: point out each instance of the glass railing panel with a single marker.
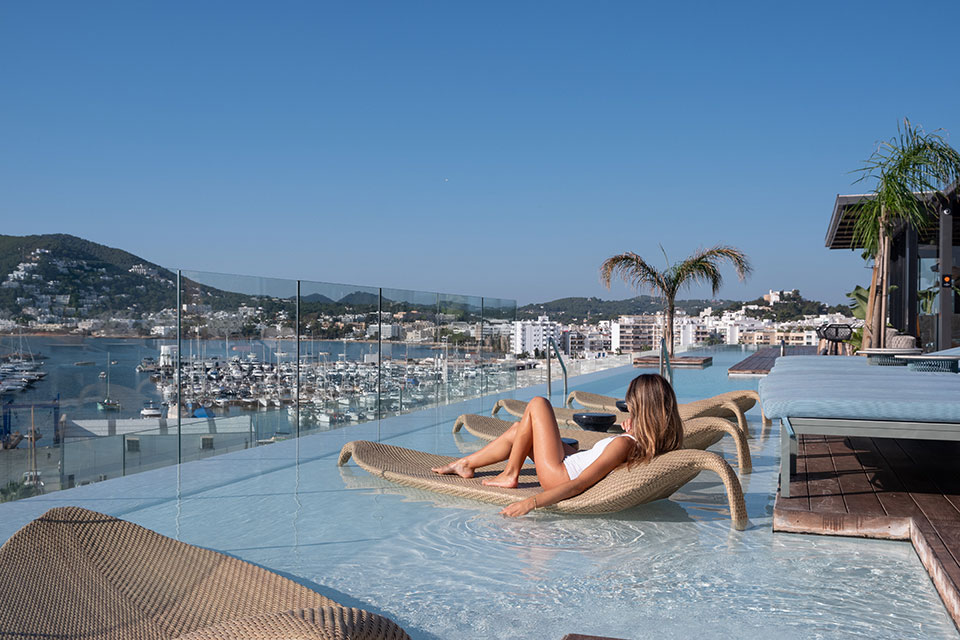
(238, 362)
(459, 323)
(79, 384)
(499, 364)
(339, 360)
(91, 459)
(104, 398)
(410, 365)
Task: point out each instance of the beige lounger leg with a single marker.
(738, 508)
(734, 408)
(744, 460)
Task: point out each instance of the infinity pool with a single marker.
(446, 568)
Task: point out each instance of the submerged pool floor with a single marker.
(447, 568)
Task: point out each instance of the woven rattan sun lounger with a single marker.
(732, 404)
(622, 488)
(74, 573)
(843, 396)
(698, 433)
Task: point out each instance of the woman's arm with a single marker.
(613, 456)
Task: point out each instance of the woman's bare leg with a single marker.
(497, 450)
(537, 436)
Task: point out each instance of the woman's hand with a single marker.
(519, 508)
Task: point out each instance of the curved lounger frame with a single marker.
(622, 488)
(732, 404)
(564, 415)
(74, 573)
(698, 433)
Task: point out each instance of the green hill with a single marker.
(93, 277)
(595, 309)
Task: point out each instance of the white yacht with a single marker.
(151, 410)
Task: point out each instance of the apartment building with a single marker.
(635, 333)
(530, 336)
(772, 337)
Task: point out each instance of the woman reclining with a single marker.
(653, 428)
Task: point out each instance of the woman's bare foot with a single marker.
(504, 479)
(458, 467)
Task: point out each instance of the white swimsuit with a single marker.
(577, 462)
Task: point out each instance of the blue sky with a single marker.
(498, 148)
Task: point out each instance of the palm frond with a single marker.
(704, 267)
(634, 271)
(908, 172)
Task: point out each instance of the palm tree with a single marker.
(910, 171)
(701, 267)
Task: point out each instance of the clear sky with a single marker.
(487, 148)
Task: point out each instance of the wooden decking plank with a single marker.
(938, 546)
(886, 485)
(914, 480)
(923, 489)
(822, 484)
(857, 492)
(949, 532)
(762, 361)
(938, 460)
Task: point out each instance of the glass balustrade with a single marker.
(222, 362)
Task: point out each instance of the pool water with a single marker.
(447, 568)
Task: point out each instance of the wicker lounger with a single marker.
(732, 404)
(698, 433)
(622, 488)
(74, 573)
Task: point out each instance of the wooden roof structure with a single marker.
(840, 229)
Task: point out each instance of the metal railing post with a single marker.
(549, 377)
(177, 368)
(296, 332)
(563, 366)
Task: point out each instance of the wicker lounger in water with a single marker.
(74, 573)
(717, 407)
(698, 433)
(732, 404)
(622, 488)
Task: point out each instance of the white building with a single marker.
(632, 334)
(534, 335)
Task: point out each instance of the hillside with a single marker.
(594, 309)
(63, 275)
(60, 278)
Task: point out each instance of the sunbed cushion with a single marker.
(838, 387)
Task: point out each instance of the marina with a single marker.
(333, 382)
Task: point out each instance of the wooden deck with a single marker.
(881, 488)
(675, 362)
(760, 363)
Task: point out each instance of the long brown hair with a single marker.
(656, 421)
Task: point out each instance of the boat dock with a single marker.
(760, 363)
(895, 489)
